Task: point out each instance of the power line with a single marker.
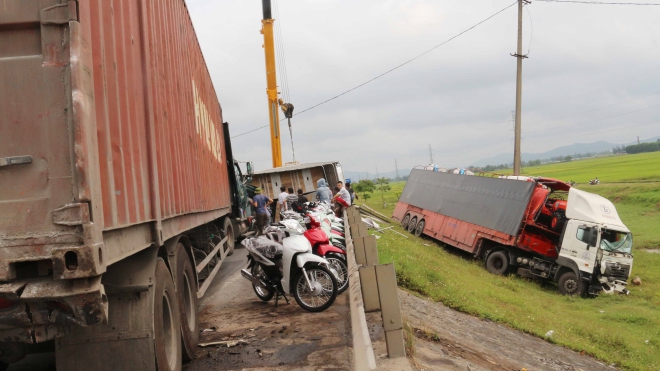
(392, 69)
(595, 2)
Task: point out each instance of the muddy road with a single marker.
(268, 338)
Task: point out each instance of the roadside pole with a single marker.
(519, 56)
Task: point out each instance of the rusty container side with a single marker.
(112, 103)
(149, 72)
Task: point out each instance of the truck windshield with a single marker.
(616, 241)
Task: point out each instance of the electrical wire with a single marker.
(392, 69)
(596, 2)
(531, 27)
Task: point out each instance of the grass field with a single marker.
(624, 330)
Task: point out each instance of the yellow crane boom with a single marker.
(271, 89)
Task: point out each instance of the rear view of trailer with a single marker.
(111, 147)
(463, 211)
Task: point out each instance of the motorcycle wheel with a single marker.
(340, 266)
(262, 293)
(325, 286)
(339, 245)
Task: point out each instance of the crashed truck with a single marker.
(540, 227)
(119, 195)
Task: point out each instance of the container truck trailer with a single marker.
(119, 194)
(540, 227)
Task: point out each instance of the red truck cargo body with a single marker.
(466, 236)
(113, 102)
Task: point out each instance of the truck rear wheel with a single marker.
(228, 228)
(419, 229)
(497, 263)
(167, 321)
(405, 221)
(412, 224)
(570, 284)
(188, 303)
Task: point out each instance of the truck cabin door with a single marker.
(580, 244)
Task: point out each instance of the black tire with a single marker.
(570, 284)
(339, 264)
(327, 289)
(497, 263)
(228, 227)
(419, 228)
(3, 366)
(405, 221)
(339, 245)
(412, 224)
(186, 292)
(167, 321)
(262, 293)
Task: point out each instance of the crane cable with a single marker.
(287, 107)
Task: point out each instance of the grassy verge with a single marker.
(624, 330)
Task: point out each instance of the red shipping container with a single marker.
(113, 103)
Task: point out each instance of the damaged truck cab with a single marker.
(539, 227)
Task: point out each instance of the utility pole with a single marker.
(431, 154)
(519, 56)
(396, 166)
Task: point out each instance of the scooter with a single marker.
(321, 246)
(280, 265)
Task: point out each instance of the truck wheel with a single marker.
(419, 229)
(405, 221)
(188, 303)
(3, 366)
(167, 324)
(570, 284)
(412, 224)
(497, 263)
(228, 227)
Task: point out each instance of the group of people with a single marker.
(343, 197)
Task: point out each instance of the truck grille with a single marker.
(617, 269)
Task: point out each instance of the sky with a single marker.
(593, 73)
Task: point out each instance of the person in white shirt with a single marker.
(281, 203)
(345, 197)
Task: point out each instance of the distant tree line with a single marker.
(643, 147)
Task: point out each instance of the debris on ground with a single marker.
(227, 343)
(637, 281)
(211, 329)
(549, 333)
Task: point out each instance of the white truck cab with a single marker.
(596, 243)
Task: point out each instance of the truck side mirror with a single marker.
(593, 237)
(250, 172)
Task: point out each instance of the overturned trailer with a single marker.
(541, 227)
(298, 176)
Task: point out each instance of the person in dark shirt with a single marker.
(260, 202)
(291, 198)
(301, 197)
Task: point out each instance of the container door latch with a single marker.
(16, 160)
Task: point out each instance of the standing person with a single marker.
(323, 193)
(342, 199)
(281, 203)
(291, 198)
(260, 203)
(350, 190)
(301, 197)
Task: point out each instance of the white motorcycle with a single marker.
(281, 265)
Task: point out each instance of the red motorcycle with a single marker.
(321, 246)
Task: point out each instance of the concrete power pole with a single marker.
(519, 56)
(396, 167)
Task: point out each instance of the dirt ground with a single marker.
(450, 340)
(270, 338)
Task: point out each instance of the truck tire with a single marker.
(419, 229)
(3, 366)
(405, 221)
(570, 284)
(228, 228)
(167, 321)
(412, 224)
(497, 263)
(188, 303)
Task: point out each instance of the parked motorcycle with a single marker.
(281, 265)
(321, 246)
